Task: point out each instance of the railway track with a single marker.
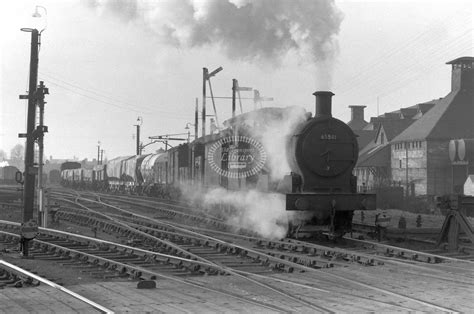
(328, 257)
(322, 256)
(103, 258)
(430, 256)
(210, 251)
(72, 251)
(217, 247)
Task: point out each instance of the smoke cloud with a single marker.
(251, 30)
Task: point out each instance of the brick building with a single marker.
(420, 155)
(409, 146)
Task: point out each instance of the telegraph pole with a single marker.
(30, 170)
(258, 99)
(234, 91)
(138, 139)
(205, 77)
(196, 120)
(406, 173)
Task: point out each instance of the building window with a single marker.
(382, 138)
(400, 163)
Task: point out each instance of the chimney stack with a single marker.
(357, 118)
(462, 77)
(357, 113)
(323, 103)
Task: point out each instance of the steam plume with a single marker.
(273, 131)
(262, 213)
(253, 30)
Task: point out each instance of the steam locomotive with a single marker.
(321, 152)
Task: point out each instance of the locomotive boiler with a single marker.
(322, 154)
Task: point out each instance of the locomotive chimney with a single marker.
(323, 103)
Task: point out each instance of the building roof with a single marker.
(364, 137)
(393, 128)
(451, 117)
(408, 113)
(460, 60)
(357, 124)
(424, 107)
(378, 156)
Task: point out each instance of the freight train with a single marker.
(321, 153)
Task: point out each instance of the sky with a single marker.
(107, 62)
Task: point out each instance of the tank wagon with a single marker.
(7, 175)
(54, 176)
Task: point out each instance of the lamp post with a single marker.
(98, 152)
(189, 130)
(139, 123)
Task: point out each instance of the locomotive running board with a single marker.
(324, 202)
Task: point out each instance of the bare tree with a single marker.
(17, 153)
(3, 155)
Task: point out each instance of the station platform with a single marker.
(40, 299)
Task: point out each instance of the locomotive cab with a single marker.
(323, 153)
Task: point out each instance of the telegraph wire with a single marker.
(380, 61)
(417, 74)
(431, 54)
(410, 74)
(95, 99)
(129, 107)
(427, 54)
(103, 95)
(98, 92)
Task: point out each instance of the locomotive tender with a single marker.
(320, 191)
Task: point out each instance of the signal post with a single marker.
(35, 97)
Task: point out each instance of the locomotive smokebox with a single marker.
(323, 103)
